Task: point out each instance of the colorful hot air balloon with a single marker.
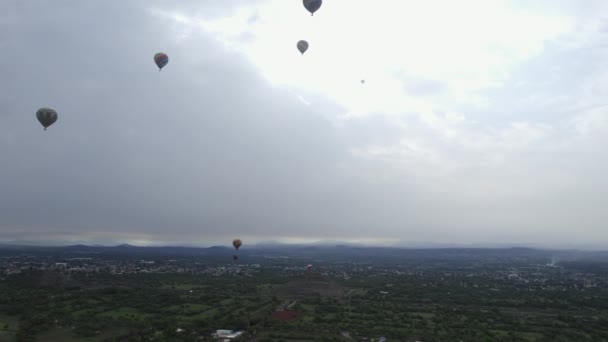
(312, 5)
(302, 46)
(161, 60)
(46, 116)
(237, 243)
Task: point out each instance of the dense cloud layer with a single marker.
(215, 147)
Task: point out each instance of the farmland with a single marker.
(436, 296)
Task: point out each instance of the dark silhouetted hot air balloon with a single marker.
(161, 60)
(236, 243)
(312, 5)
(302, 46)
(46, 116)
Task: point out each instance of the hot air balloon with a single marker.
(46, 116)
(312, 5)
(309, 267)
(161, 60)
(302, 46)
(237, 243)
(235, 257)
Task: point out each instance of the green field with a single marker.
(125, 313)
(153, 306)
(8, 327)
(184, 287)
(67, 335)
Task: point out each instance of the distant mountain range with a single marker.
(335, 252)
(341, 250)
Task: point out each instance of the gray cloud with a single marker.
(207, 149)
(204, 146)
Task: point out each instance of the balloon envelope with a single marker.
(237, 243)
(309, 267)
(312, 5)
(161, 60)
(302, 46)
(46, 116)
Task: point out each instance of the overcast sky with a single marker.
(480, 122)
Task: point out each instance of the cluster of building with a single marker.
(20, 264)
(470, 274)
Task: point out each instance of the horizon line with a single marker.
(429, 245)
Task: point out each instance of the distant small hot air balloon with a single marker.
(161, 60)
(46, 116)
(312, 5)
(302, 46)
(309, 267)
(237, 243)
(235, 257)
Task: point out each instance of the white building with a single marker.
(227, 335)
